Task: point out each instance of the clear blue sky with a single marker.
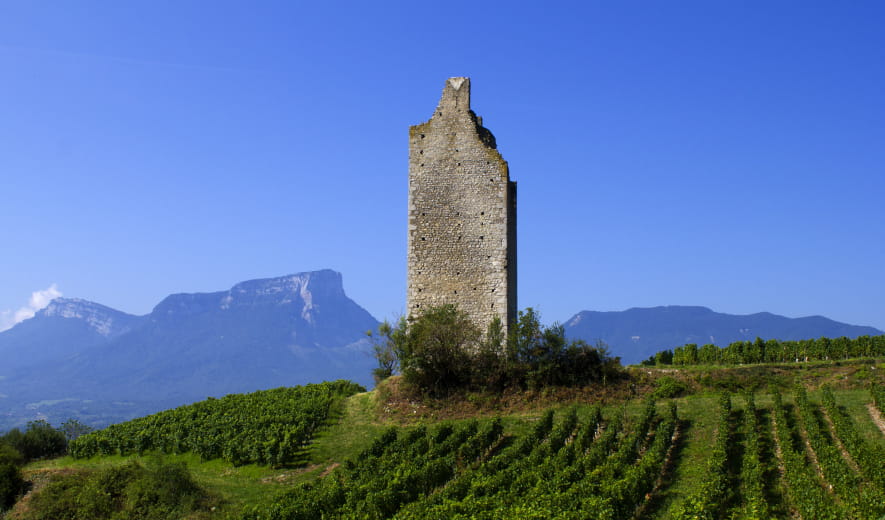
(725, 154)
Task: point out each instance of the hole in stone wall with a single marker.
(493, 305)
(493, 290)
(480, 237)
(417, 305)
(422, 239)
(420, 152)
(457, 213)
(422, 213)
(459, 164)
(456, 292)
(419, 289)
(459, 237)
(422, 165)
(422, 137)
(481, 212)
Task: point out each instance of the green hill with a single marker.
(664, 443)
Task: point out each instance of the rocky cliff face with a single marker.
(105, 321)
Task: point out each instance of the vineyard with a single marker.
(787, 451)
(265, 427)
(803, 459)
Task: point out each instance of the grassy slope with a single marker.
(357, 423)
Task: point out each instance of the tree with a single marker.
(490, 367)
(664, 357)
(436, 353)
(691, 354)
(72, 428)
(10, 455)
(387, 348)
(709, 354)
(39, 440)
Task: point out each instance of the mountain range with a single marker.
(79, 359)
(638, 333)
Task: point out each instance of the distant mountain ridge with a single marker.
(637, 333)
(79, 358)
(66, 326)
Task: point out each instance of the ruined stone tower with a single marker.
(462, 214)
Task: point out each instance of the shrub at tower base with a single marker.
(443, 351)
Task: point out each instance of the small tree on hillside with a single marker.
(388, 345)
(436, 355)
(72, 428)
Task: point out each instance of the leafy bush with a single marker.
(668, 387)
(436, 355)
(442, 351)
(11, 485)
(157, 492)
(40, 440)
(10, 455)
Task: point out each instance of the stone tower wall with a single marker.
(462, 214)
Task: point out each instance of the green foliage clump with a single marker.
(158, 491)
(387, 345)
(668, 387)
(878, 392)
(436, 355)
(10, 455)
(39, 440)
(442, 351)
(72, 429)
(265, 427)
(12, 485)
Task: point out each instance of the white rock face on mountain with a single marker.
(103, 320)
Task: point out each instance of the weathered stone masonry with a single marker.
(462, 214)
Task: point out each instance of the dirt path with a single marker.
(876, 415)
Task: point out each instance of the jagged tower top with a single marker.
(455, 96)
